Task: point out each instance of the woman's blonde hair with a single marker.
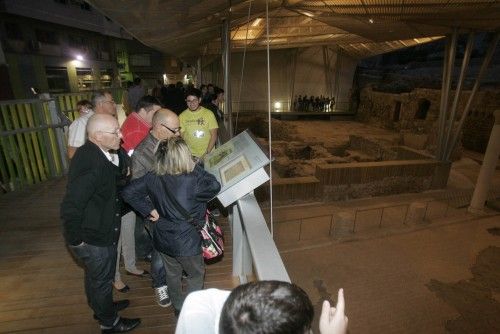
(173, 157)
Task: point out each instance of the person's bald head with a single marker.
(165, 124)
(104, 131)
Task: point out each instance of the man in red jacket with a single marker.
(137, 125)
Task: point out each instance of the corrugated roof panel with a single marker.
(184, 27)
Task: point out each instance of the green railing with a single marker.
(33, 138)
(67, 102)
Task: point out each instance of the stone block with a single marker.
(343, 224)
(416, 213)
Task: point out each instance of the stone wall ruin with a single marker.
(415, 115)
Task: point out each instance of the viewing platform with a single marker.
(41, 287)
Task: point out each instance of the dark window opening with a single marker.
(423, 108)
(45, 36)
(76, 41)
(85, 78)
(85, 6)
(13, 32)
(397, 111)
(57, 78)
(106, 77)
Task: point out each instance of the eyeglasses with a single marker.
(117, 132)
(174, 131)
(112, 102)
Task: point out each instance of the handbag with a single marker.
(212, 238)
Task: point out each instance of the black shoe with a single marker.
(123, 325)
(121, 304)
(148, 257)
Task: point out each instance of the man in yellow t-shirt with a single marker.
(198, 125)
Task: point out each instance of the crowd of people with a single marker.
(145, 173)
(314, 103)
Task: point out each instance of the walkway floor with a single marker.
(41, 288)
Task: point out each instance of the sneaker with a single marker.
(162, 297)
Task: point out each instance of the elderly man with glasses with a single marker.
(91, 212)
(198, 125)
(103, 104)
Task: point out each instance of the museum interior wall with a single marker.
(293, 72)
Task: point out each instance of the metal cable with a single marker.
(243, 66)
(269, 122)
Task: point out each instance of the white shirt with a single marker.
(113, 157)
(201, 312)
(77, 133)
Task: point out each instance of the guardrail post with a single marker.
(55, 118)
(242, 259)
(46, 139)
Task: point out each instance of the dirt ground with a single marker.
(474, 299)
(316, 130)
(334, 131)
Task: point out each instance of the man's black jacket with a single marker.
(91, 208)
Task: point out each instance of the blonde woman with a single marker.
(175, 178)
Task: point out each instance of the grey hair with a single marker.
(99, 97)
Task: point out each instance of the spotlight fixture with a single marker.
(277, 106)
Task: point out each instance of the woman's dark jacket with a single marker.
(173, 234)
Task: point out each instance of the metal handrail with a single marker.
(253, 245)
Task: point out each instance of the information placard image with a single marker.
(236, 159)
(234, 168)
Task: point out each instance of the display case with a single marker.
(239, 167)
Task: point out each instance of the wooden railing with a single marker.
(33, 140)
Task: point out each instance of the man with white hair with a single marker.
(103, 103)
(91, 214)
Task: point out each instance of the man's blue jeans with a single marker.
(99, 266)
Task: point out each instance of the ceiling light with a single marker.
(79, 57)
(306, 13)
(256, 22)
(371, 20)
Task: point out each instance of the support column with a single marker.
(482, 71)
(199, 72)
(449, 61)
(487, 169)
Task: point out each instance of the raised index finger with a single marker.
(340, 302)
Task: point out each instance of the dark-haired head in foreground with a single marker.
(267, 307)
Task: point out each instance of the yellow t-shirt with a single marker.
(195, 129)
